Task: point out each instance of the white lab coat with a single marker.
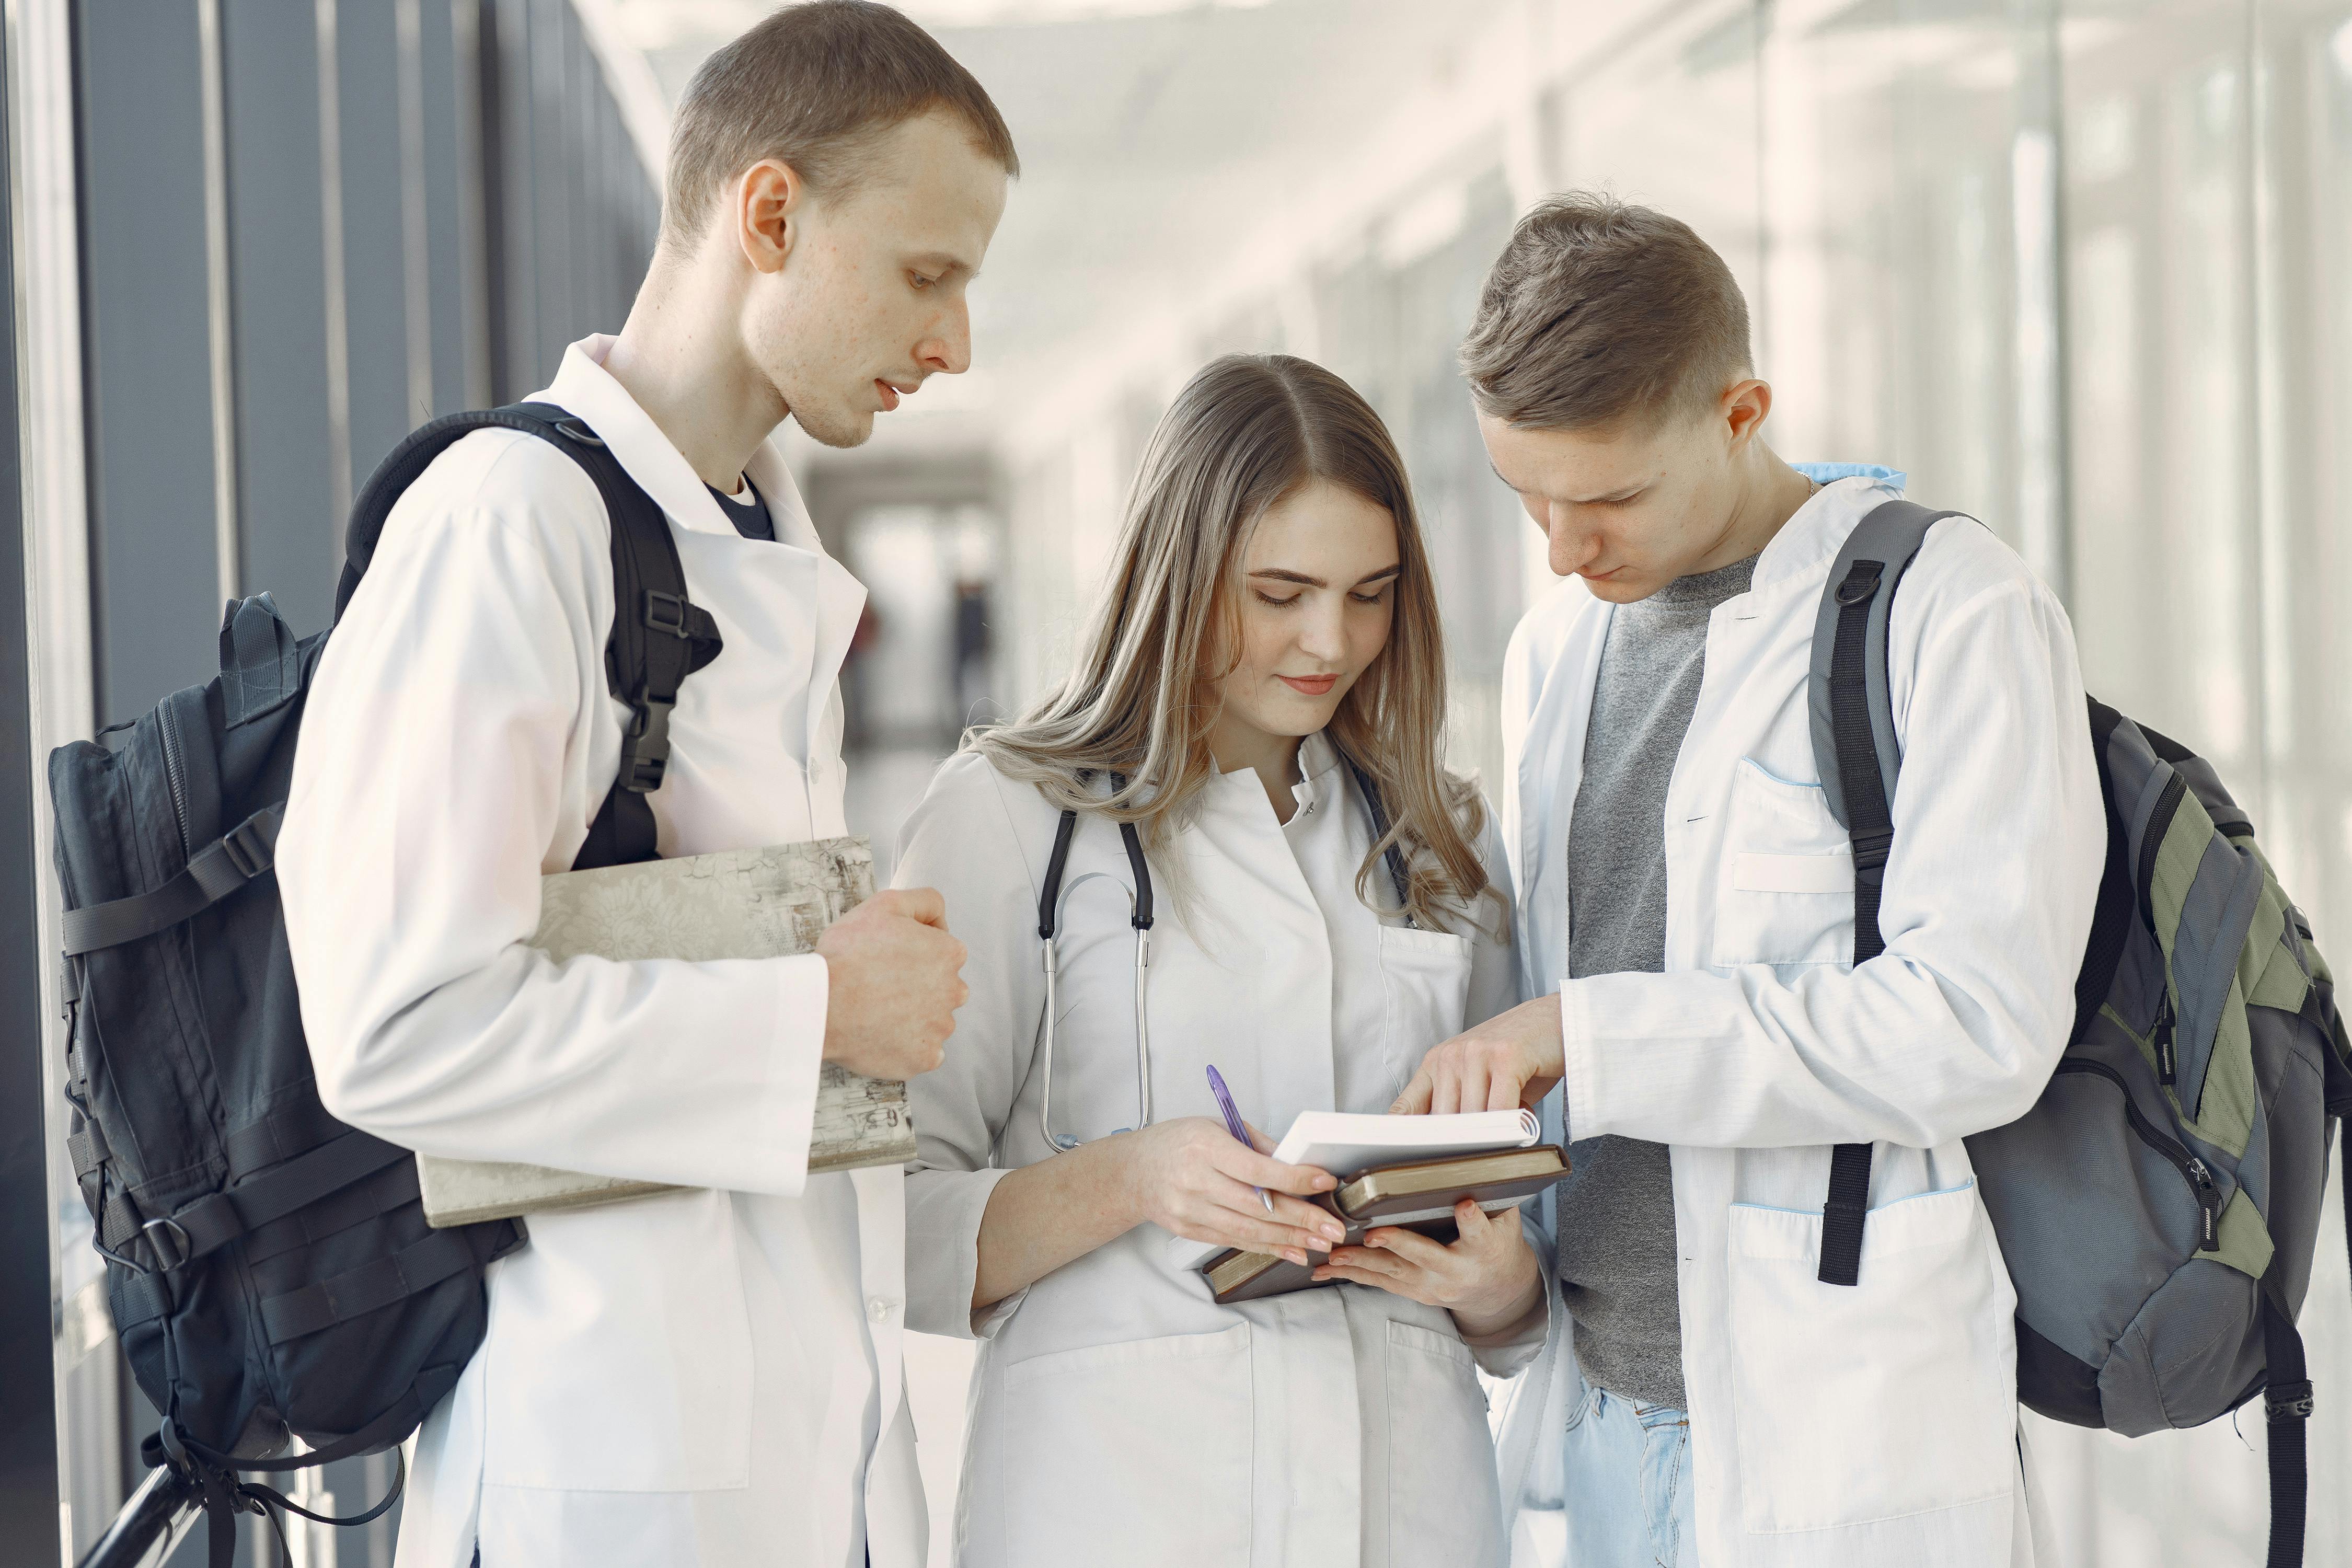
(1829, 1426)
(709, 1377)
(1120, 1415)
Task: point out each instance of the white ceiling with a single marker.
(1155, 137)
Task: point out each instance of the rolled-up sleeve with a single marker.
(962, 840)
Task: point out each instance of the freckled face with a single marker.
(1317, 596)
(870, 300)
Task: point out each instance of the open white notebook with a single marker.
(1347, 1143)
(740, 903)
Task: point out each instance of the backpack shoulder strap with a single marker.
(659, 637)
(1856, 753)
(407, 463)
(1855, 605)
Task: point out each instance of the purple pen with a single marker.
(1233, 1125)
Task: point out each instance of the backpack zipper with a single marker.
(2193, 1171)
(2160, 823)
(2168, 1055)
(172, 775)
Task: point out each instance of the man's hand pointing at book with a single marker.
(1512, 1059)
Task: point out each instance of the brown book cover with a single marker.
(1417, 1195)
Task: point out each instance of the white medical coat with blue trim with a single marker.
(1829, 1426)
(705, 1377)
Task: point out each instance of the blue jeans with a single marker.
(1627, 1485)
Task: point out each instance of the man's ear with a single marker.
(1744, 408)
(771, 200)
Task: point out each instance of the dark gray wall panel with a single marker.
(278, 292)
(551, 177)
(28, 1461)
(592, 285)
(147, 374)
(448, 185)
(508, 181)
(375, 304)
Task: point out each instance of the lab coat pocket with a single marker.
(1443, 1502)
(619, 1352)
(1784, 890)
(1822, 1443)
(1134, 1453)
(1424, 987)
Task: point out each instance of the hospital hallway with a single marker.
(2081, 268)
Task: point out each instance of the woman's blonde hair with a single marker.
(1247, 432)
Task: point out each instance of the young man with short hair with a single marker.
(710, 1376)
(1687, 942)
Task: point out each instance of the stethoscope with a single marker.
(1055, 896)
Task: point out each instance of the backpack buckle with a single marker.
(169, 1254)
(667, 613)
(2284, 1399)
(247, 850)
(645, 757)
(1870, 849)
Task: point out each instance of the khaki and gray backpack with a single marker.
(2158, 1206)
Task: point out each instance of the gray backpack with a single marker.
(2159, 1205)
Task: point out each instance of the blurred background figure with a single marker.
(2081, 266)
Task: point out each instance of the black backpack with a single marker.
(269, 1269)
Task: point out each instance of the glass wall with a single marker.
(289, 232)
(2082, 268)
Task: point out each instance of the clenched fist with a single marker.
(894, 983)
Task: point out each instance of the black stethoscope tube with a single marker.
(1049, 897)
(1049, 910)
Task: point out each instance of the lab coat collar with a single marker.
(1318, 757)
(774, 480)
(584, 386)
(1817, 529)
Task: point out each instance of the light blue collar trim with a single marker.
(1830, 473)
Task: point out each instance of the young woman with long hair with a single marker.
(1265, 870)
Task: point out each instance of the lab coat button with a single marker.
(880, 1308)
